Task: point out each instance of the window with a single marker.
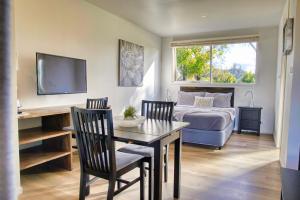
(226, 62)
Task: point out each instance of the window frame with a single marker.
(211, 82)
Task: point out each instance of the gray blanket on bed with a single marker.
(212, 119)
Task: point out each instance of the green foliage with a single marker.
(130, 112)
(218, 51)
(223, 76)
(193, 63)
(248, 77)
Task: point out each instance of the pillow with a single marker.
(204, 102)
(221, 100)
(188, 98)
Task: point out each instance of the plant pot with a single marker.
(120, 121)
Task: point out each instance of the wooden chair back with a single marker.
(100, 103)
(160, 110)
(94, 139)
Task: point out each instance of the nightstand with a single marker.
(250, 119)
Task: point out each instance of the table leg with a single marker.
(158, 165)
(177, 167)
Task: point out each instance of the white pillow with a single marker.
(204, 102)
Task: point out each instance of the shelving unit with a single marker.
(54, 141)
(36, 157)
(28, 136)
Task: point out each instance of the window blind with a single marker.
(215, 41)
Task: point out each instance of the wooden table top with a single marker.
(148, 132)
(290, 180)
(46, 111)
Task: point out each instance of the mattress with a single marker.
(212, 119)
(212, 138)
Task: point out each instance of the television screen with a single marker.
(60, 75)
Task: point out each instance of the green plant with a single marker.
(193, 63)
(249, 77)
(130, 112)
(223, 76)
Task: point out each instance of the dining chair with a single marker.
(158, 110)
(96, 147)
(99, 103)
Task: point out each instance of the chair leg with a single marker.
(84, 190)
(150, 178)
(111, 188)
(119, 184)
(87, 189)
(166, 162)
(142, 182)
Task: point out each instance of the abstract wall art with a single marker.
(131, 64)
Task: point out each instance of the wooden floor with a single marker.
(247, 168)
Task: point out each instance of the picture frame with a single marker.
(288, 36)
(131, 64)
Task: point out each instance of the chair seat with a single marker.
(138, 150)
(125, 159)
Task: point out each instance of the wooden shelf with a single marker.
(56, 143)
(27, 136)
(33, 158)
(46, 111)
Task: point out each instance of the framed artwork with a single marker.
(288, 36)
(131, 64)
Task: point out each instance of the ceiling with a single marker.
(180, 17)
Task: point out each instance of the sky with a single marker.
(242, 54)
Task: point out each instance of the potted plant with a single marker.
(130, 113)
(129, 118)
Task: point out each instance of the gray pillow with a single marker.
(221, 100)
(188, 98)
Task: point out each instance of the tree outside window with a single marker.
(222, 63)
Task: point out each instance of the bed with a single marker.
(211, 127)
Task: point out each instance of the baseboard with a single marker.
(262, 133)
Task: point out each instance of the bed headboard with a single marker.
(211, 90)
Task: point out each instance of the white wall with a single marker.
(290, 82)
(283, 88)
(76, 28)
(264, 89)
(281, 78)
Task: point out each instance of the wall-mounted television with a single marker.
(60, 75)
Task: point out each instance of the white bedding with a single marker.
(181, 110)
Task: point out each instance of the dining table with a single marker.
(157, 134)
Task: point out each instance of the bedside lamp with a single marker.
(252, 97)
(19, 106)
